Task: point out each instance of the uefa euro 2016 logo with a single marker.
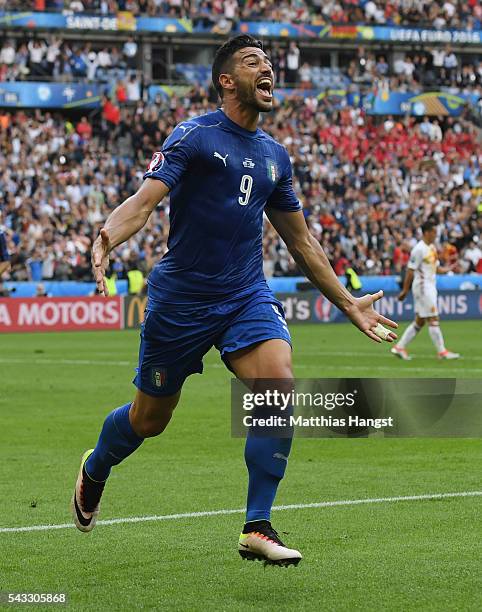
(324, 309)
(156, 162)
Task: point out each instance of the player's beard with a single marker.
(246, 94)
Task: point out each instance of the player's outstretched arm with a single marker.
(311, 258)
(123, 222)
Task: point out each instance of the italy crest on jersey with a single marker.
(159, 376)
(272, 168)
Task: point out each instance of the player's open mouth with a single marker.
(264, 88)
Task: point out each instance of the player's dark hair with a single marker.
(225, 53)
(428, 226)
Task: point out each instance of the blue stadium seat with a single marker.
(194, 73)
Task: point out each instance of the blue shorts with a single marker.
(175, 339)
(4, 254)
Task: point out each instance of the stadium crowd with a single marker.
(413, 70)
(365, 186)
(435, 13)
(61, 60)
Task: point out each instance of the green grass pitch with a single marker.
(406, 555)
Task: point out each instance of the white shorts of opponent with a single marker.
(425, 301)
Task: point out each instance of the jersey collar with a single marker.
(235, 127)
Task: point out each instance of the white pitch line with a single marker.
(327, 504)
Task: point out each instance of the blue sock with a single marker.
(117, 441)
(266, 459)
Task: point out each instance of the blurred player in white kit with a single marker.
(421, 278)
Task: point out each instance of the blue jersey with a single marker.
(221, 176)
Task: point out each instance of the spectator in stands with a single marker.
(449, 10)
(129, 52)
(63, 268)
(104, 59)
(76, 6)
(467, 77)
(21, 61)
(37, 51)
(40, 291)
(92, 64)
(340, 261)
(305, 76)
(374, 12)
(82, 270)
(4, 291)
(78, 63)
(426, 127)
(436, 132)
(382, 66)
(110, 112)
(7, 53)
(473, 255)
(63, 67)
(84, 128)
(292, 63)
(133, 89)
(231, 11)
(121, 92)
(52, 53)
(423, 74)
(365, 66)
(117, 59)
(438, 60)
(449, 71)
(278, 59)
(34, 266)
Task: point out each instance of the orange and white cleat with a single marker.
(448, 355)
(264, 544)
(400, 352)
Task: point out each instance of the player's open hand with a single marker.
(100, 260)
(369, 321)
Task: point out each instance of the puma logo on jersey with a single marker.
(219, 156)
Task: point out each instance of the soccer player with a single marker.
(222, 173)
(421, 277)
